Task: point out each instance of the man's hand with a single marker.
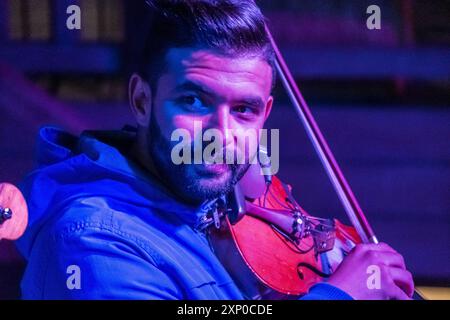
(395, 281)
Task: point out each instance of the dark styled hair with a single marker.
(232, 27)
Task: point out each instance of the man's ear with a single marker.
(269, 104)
(140, 99)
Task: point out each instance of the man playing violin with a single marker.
(113, 217)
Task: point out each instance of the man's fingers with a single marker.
(402, 279)
(393, 260)
(395, 293)
(379, 257)
(379, 247)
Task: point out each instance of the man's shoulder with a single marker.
(95, 217)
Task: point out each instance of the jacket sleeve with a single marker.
(94, 263)
(325, 291)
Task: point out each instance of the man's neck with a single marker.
(143, 158)
(139, 153)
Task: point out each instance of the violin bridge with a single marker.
(324, 235)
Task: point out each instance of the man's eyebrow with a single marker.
(192, 86)
(253, 101)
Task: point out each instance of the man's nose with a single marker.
(222, 121)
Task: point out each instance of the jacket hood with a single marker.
(92, 165)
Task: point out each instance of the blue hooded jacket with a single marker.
(100, 227)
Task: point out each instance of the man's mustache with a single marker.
(226, 155)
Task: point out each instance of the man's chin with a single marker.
(211, 170)
(213, 180)
(209, 184)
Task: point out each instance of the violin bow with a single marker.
(334, 172)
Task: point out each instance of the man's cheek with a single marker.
(170, 117)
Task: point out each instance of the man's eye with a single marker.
(191, 101)
(243, 109)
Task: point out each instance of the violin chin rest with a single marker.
(252, 184)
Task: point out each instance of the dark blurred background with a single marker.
(381, 98)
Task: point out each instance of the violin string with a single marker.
(265, 194)
(279, 202)
(294, 205)
(285, 238)
(316, 221)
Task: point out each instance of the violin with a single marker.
(271, 247)
(13, 212)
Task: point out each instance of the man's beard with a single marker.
(185, 180)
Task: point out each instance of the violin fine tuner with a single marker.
(323, 231)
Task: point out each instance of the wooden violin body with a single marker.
(263, 260)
